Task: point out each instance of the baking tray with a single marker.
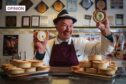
(28, 75)
(106, 77)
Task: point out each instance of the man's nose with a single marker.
(68, 28)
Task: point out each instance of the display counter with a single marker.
(61, 79)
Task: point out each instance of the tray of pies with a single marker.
(96, 66)
(19, 68)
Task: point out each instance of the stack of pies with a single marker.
(97, 65)
(24, 66)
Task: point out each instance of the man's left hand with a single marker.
(104, 27)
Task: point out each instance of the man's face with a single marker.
(64, 28)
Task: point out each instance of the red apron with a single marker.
(63, 55)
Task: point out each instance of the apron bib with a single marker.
(63, 55)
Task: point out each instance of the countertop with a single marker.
(71, 78)
(61, 79)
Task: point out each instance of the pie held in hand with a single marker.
(41, 36)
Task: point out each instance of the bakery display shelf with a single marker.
(100, 76)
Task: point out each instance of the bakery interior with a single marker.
(38, 16)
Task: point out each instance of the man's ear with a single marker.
(56, 26)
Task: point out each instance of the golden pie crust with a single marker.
(99, 16)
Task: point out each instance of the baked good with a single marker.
(86, 64)
(21, 63)
(77, 68)
(81, 63)
(95, 64)
(43, 68)
(14, 62)
(113, 67)
(41, 35)
(5, 66)
(101, 71)
(103, 65)
(16, 70)
(91, 70)
(30, 70)
(113, 63)
(95, 57)
(36, 63)
(110, 71)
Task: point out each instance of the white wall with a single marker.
(25, 43)
(51, 13)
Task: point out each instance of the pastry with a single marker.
(77, 68)
(43, 68)
(103, 65)
(16, 71)
(91, 70)
(110, 71)
(36, 63)
(101, 71)
(21, 63)
(30, 70)
(96, 64)
(41, 36)
(86, 64)
(95, 57)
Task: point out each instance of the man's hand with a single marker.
(41, 46)
(104, 27)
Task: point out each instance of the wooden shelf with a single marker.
(54, 27)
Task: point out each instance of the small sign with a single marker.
(15, 8)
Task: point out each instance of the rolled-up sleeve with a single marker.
(103, 47)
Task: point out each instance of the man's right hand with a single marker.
(41, 46)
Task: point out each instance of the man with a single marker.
(65, 50)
